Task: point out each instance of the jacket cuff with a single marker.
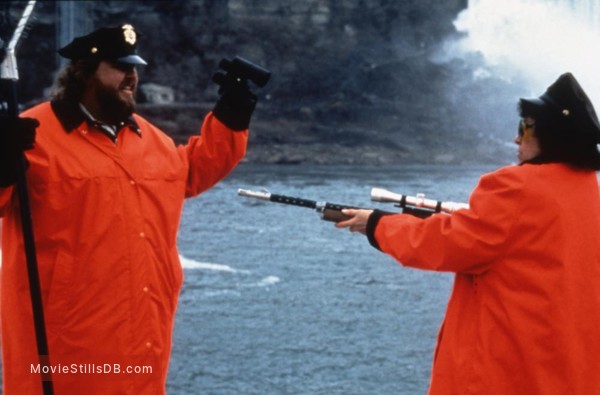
(372, 223)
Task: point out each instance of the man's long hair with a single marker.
(72, 80)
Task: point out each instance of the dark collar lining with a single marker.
(70, 116)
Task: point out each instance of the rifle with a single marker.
(9, 76)
(416, 206)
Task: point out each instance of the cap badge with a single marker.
(129, 34)
(566, 112)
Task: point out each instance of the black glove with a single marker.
(236, 104)
(16, 135)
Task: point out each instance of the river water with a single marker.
(277, 301)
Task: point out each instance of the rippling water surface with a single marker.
(276, 301)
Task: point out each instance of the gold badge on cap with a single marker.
(129, 34)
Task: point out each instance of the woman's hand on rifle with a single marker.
(357, 221)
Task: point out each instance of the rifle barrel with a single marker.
(328, 211)
(261, 195)
(271, 197)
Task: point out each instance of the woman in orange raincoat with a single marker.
(106, 189)
(524, 313)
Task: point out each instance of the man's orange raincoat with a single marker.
(524, 314)
(105, 218)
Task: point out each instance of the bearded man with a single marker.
(107, 189)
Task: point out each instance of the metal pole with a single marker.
(9, 77)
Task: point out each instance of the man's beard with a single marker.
(115, 107)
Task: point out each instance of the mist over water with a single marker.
(532, 42)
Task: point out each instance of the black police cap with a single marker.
(109, 43)
(566, 101)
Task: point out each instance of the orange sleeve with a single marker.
(467, 241)
(213, 154)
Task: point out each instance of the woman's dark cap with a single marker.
(566, 102)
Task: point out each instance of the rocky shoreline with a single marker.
(326, 154)
(292, 141)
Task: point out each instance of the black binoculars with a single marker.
(242, 69)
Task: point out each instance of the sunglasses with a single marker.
(523, 126)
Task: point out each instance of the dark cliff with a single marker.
(354, 81)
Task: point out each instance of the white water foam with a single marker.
(533, 41)
(269, 280)
(187, 263)
(264, 282)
